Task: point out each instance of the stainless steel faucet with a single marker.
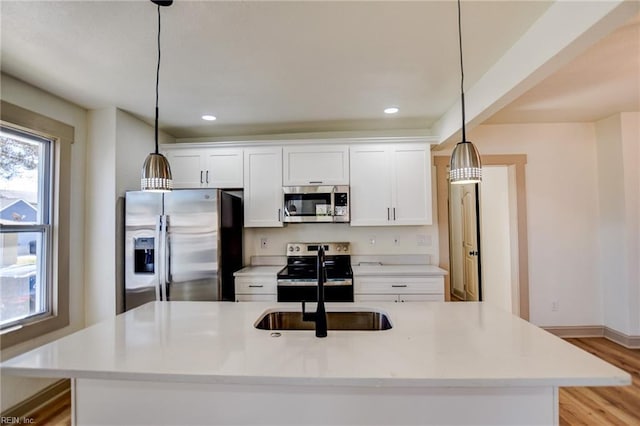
(320, 315)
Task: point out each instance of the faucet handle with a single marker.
(307, 316)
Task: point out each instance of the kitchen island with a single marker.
(193, 363)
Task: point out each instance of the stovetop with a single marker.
(302, 261)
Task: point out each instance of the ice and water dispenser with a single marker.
(144, 255)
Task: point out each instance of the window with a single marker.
(34, 224)
(25, 227)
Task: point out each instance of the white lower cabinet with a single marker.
(260, 289)
(399, 289)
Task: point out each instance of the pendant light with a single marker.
(156, 173)
(465, 166)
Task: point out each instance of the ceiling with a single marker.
(267, 67)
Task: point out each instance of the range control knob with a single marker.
(290, 248)
(339, 248)
(297, 248)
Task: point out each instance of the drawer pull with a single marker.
(398, 285)
(256, 285)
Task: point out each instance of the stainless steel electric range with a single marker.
(298, 281)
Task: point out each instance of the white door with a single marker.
(370, 185)
(470, 242)
(263, 187)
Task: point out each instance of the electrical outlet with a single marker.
(555, 306)
(372, 240)
(423, 240)
(263, 243)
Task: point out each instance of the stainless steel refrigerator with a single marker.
(181, 245)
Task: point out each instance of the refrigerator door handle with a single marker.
(158, 256)
(166, 261)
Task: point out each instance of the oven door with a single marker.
(308, 204)
(307, 291)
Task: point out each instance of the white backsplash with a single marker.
(373, 240)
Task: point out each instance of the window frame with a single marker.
(43, 224)
(61, 136)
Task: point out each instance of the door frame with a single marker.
(518, 161)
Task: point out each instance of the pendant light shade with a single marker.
(465, 166)
(156, 172)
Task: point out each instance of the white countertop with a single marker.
(431, 344)
(398, 270)
(256, 271)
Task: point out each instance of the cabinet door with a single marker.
(370, 185)
(263, 187)
(223, 168)
(316, 165)
(411, 190)
(186, 167)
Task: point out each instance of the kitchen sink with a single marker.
(336, 320)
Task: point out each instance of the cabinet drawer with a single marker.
(399, 285)
(255, 286)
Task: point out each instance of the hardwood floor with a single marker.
(578, 406)
(604, 405)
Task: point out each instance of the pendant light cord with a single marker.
(464, 136)
(157, 81)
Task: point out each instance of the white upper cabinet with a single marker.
(224, 168)
(263, 187)
(316, 165)
(390, 185)
(186, 167)
(206, 167)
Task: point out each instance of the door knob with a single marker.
(473, 253)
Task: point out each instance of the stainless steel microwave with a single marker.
(324, 203)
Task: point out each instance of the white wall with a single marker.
(495, 241)
(562, 216)
(618, 138)
(118, 145)
(360, 237)
(100, 212)
(16, 389)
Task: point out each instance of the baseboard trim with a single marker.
(565, 332)
(576, 331)
(25, 408)
(631, 342)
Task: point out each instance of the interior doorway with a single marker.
(464, 243)
(515, 228)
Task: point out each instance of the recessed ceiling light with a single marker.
(209, 117)
(391, 110)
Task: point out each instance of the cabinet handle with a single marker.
(315, 181)
(388, 214)
(256, 285)
(394, 211)
(208, 179)
(279, 217)
(201, 181)
(398, 285)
